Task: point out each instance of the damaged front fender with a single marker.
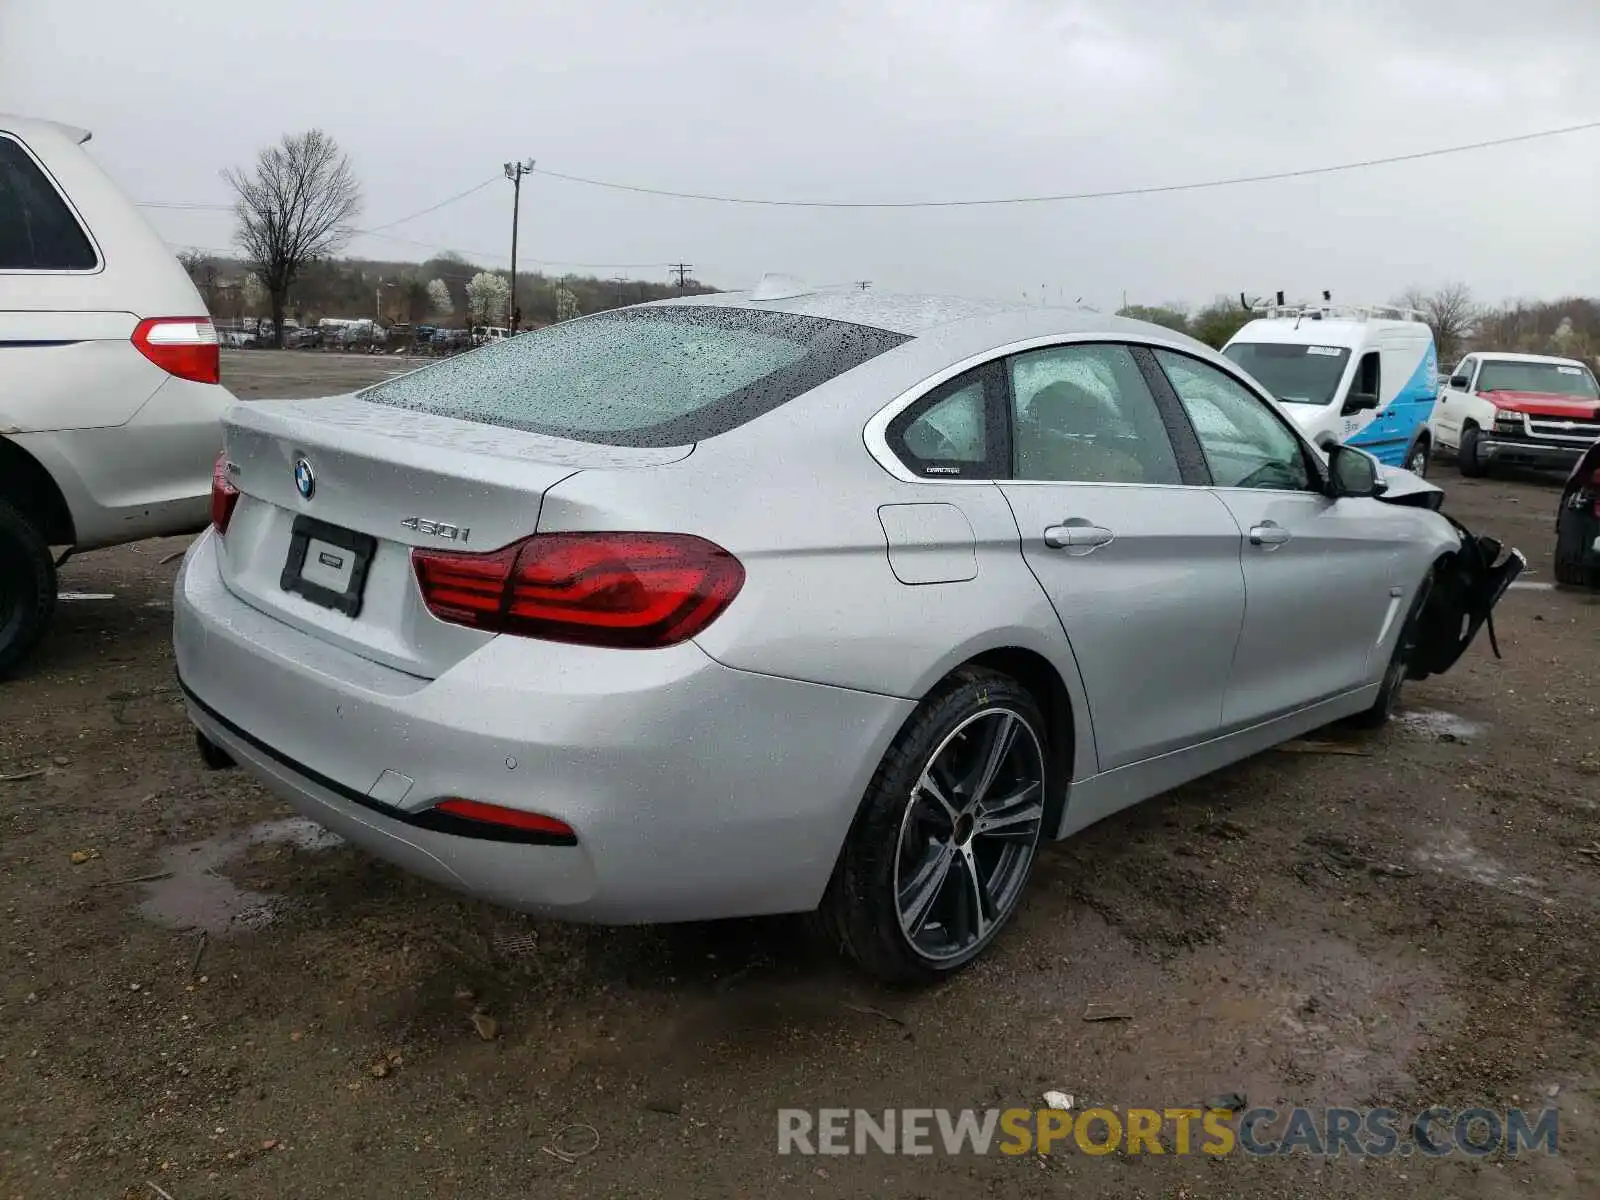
(1467, 584)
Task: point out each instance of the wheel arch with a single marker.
(1043, 681)
(32, 491)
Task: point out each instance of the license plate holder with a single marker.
(328, 564)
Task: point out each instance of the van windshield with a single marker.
(1294, 374)
(1552, 379)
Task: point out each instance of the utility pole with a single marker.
(681, 270)
(619, 280)
(863, 284)
(515, 172)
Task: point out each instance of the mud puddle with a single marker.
(1438, 726)
(195, 897)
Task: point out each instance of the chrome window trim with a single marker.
(876, 432)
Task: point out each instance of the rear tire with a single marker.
(27, 587)
(944, 843)
(1574, 574)
(1419, 458)
(1467, 458)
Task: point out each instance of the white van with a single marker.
(1362, 374)
(110, 394)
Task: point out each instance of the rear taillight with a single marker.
(628, 590)
(223, 495)
(181, 346)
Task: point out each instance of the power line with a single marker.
(681, 270)
(422, 212)
(1154, 189)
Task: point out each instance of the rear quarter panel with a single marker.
(796, 500)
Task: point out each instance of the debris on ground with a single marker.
(1061, 1101)
(79, 857)
(488, 1028)
(18, 778)
(1301, 746)
(1226, 1102)
(1103, 1012)
(870, 1011)
(568, 1153)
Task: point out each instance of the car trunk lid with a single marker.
(334, 493)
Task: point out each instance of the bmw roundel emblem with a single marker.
(305, 479)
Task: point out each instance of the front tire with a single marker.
(945, 840)
(1394, 675)
(1468, 459)
(27, 587)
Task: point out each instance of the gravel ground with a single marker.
(1401, 919)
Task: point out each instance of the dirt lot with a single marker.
(1404, 923)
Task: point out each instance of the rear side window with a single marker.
(37, 230)
(643, 377)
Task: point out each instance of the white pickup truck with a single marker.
(1527, 409)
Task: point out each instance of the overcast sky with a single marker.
(878, 100)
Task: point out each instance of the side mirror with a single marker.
(1459, 383)
(1359, 402)
(1353, 473)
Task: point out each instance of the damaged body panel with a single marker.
(1467, 583)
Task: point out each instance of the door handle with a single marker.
(1269, 534)
(1077, 534)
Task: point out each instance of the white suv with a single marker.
(110, 395)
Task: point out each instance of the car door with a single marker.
(1143, 573)
(1323, 578)
(1452, 406)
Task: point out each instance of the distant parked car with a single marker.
(110, 396)
(1578, 524)
(719, 607)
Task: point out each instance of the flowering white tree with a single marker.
(566, 305)
(439, 302)
(487, 297)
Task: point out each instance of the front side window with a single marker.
(1245, 443)
(1294, 374)
(1549, 379)
(37, 230)
(1464, 371)
(1084, 414)
(663, 376)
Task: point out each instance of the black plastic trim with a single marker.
(362, 545)
(429, 819)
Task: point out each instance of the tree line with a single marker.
(1569, 327)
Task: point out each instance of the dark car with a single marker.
(1578, 524)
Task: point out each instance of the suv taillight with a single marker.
(223, 495)
(181, 346)
(627, 590)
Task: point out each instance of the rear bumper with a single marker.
(696, 791)
(148, 477)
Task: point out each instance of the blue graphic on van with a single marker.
(1393, 430)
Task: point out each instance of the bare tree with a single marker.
(294, 207)
(1450, 312)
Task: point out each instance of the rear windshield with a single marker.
(1553, 379)
(640, 377)
(1294, 374)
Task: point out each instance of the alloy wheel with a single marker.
(969, 834)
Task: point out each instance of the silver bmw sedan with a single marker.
(796, 601)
